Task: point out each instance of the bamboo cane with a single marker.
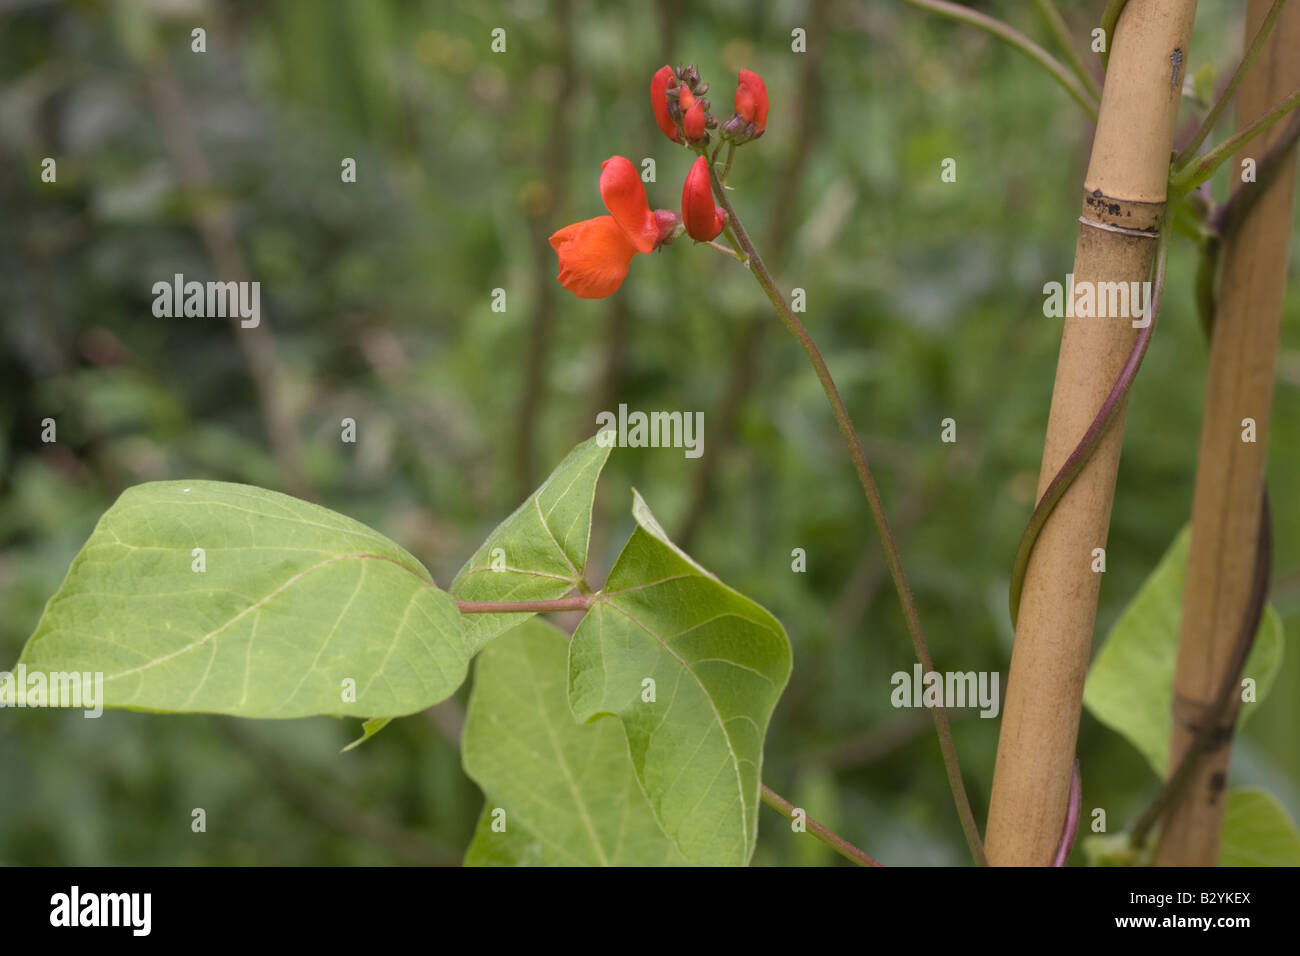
(1124, 196)
(1230, 471)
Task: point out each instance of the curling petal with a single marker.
(624, 196)
(594, 256)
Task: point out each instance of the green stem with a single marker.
(737, 234)
(1108, 20)
(1225, 219)
(1193, 174)
(731, 152)
(739, 257)
(1061, 31)
(1018, 40)
(1212, 117)
(833, 840)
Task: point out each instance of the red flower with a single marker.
(703, 220)
(663, 80)
(751, 100)
(595, 253)
(750, 118)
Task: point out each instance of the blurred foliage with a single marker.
(925, 296)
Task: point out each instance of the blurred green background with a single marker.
(925, 297)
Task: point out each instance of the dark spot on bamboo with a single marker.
(1218, 781)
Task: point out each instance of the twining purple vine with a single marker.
(1070, 829)
(1061, 482)
(1202, 744)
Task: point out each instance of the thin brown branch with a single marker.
(833, 840)
(555, 174)
(735, 231)
(216, 227)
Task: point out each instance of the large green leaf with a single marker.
(568, 790)
(719, 663)
(1257, 831)
(295, 607)
(1130, 685)
(543, 546)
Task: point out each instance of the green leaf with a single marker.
(287, 607)
(719, 663)
(368, 730)
(1113, 849)
(513, 846)
(543, 546)
(568, 790)
(1130, 685)
(1257, 831)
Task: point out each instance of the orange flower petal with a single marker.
(624, 196)
(594, 256)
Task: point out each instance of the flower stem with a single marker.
(739, 257)
(736, 232)
(578, 602)
(833, 840)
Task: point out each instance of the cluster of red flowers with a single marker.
(595, 253)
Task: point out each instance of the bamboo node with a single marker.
(1191, 715)
(1134, 217)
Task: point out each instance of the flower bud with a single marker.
(670, 225)
(703, 220)
(664, 79)
(750, 118)
(681, 94)
(694, 123)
